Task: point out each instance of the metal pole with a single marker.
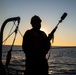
(2, 72)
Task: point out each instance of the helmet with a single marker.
(35, 19)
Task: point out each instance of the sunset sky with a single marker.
(49, 11)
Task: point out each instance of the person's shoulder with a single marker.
(43, 33)
(27, 32)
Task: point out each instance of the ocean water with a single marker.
(61, 60)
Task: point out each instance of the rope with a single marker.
(8, 37)
(12, 33)
(8, 58)
(9, 33)
(19, 32)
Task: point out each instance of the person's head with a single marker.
(36, 22)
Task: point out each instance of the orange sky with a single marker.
(49, 11)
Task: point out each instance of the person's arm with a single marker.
(25, 41)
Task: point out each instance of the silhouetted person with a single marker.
(35, 45)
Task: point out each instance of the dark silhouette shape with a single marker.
(35, 45)
(2, 67)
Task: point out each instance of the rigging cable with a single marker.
(8, 58)
(12, 33)
(9, 33)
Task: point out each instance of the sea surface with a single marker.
(61, 60)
